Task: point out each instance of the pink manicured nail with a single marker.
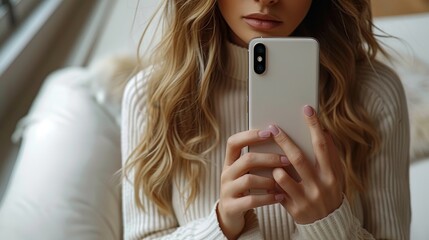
(308, 111)
(264, 134)
(274, 130)
(284, 160)
(279, 197)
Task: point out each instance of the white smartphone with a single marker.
(283, 78)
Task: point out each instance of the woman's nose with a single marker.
(270, 2)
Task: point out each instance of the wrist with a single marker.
(231, 226)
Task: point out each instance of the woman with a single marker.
(184, 129)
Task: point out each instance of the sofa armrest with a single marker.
(64, 185)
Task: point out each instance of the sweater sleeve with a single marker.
(386, 203)
(150, 224)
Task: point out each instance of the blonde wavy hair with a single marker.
(181, 127)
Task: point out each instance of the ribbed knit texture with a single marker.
(383, 213)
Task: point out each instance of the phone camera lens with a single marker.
(259, 49)
(259, 58)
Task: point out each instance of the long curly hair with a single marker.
(180, 124)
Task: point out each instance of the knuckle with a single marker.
(331, 180)
(274, 159)
(232, 141)
(321, 144)
(316, 195)
(249, 158)
(249, 202)
(282, 138)
(223, 178)
(298, 159)
(247, 180)
(314, 121)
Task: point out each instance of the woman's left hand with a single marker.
(320, 190)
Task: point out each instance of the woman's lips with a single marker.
(261, 21)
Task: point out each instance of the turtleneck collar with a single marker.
(238, 62)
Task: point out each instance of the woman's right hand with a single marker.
(235, 200)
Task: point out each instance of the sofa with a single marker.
(66, 181)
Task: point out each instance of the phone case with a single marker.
(278, 95)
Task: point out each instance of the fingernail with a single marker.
(284, 160)
(264, 134)
(308, 111)
(274, 130)
(279, 197)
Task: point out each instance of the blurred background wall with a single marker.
(399, 7)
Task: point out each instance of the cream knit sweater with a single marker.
(383, 213)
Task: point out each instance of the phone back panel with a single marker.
(278, 95)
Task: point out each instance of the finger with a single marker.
(242, 139)
(294, 153)
(250, 181)
(287, 183)
(319, 140)
(333, 151)
(251, 160)
(338, 166)
(254, 201)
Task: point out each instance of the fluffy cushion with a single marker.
(415, 78)
(112, 73)
(409, 52)
(64, 184)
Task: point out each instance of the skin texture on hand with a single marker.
(320, 190)
(235, 199)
